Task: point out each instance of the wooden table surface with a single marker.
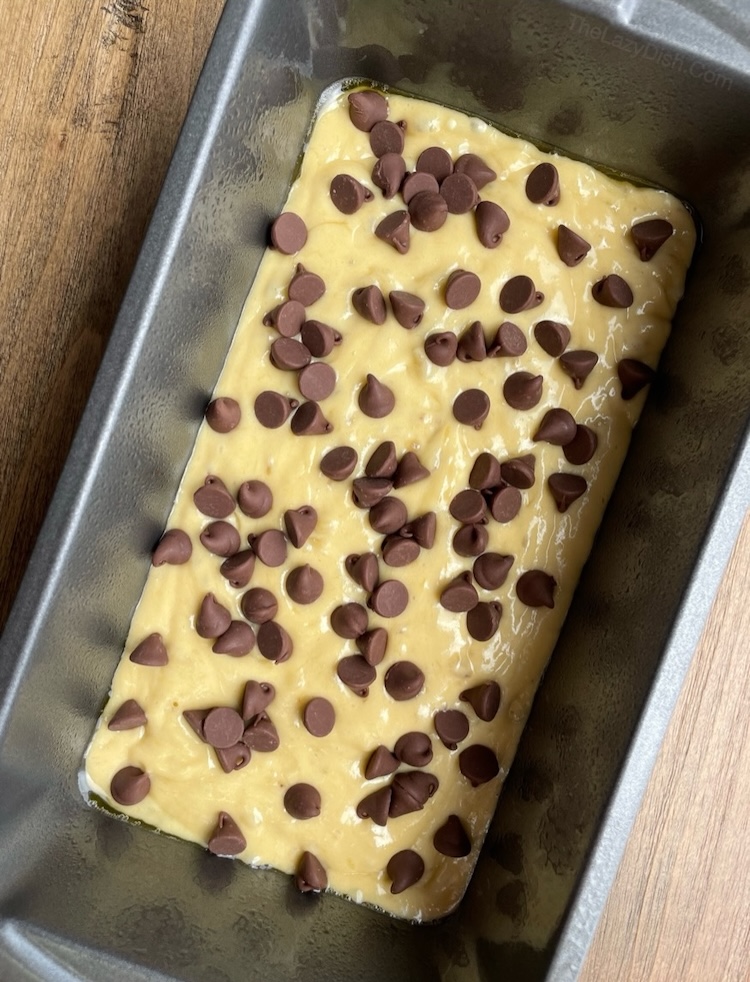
(91, 104)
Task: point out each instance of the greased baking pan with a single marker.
(656, 90)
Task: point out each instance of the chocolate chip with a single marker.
(403, 680)
(509, 341)
(519, 471)
(410, 792)
(552, 336)
(223, 727)
(634, 376)
(571, 248)
(462, 289)
(410, 470)
(386, 137)
(226, 838)
(484, 699)
(472, 345)
(405, 868)
(474, 167)
(459, 595)
(233, 758)
(300, 524)
(311, 876)
(566, 488)
(428, 211)
(382, 462)
(380, 763)
(389, 598)
(543, 185)
(259, 605)
(349, 620)
(422, 530)
(319, 338)
(363, 569)
(220, 538)
(452, 726)
(582, 447)
(195, 717)
(255, 498)
(372, 645)
(535, 588)
(483, 620)
(173, 549)
(316, 381)
(650, 236)
(128, 716)
(388, 515)
(394, 230)
(441, 347)
(274, 642)
(310, 421)
(451, 838)
(289, 355)
(288, 233)
(414, 184)
(471, 540)
(319, 717)
(398, 551)
(213, 618)
(366, 109)
(460, 193)
(492, 223)
(304, 584)
(213, 499)
(238, 640)
(519, 293)
(369, 303)
(485, 472)
(269, 546)
(468, 507)
(578, 364)
(376, 806)
(305, 287)
(272, 409)
(479, 764)
(407, 308)
(435, 161)
(256, 697)
(375, 399)
(347, 194)
(491, 570)
(223, 414)
(471, 407)
(388, 173)
(505, 504)
(302, 801)
(287, 318)
(522, 390)
(338, 464)
(612, 291)
(261, 735)
(558, 427)
(356, 673)
(414, 748)
(130, 785)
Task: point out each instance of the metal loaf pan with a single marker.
(660, 90)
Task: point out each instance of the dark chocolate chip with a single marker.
(389, 598)
(369, 303)
(407, 308)
(461, 289)
(227, 838)
(492, 223)
(195, 717)
(484, 699)
(288, 233)
(519, 472)
(388, 173)
(347, 194)
(471, 407)
(535, 588)
(319, 717)
(543, 185)
(578, 364)
(485, 472)
(375, 399)
(474, 167)
(363, 569)
(220, 538)
(403, 680)
(471, 540)
(405, 868)
(272, 409)
(372, 645)
(366, 109)
(491, 570)
(338, 464)
(356, 673)
(435, 161)
(259, 605)
(452, 726)
(479, 764)
(255, 498)
(382, 462)
(173, 549)
(223, 727)
(428, 211)
(305, 287)
(261, 735)
(472, 345)
(304, 584)
(386, 137)
(223, 414)
(316, 381)
(380, 763)
(410, 791)
(349, 620)
(130, 785)
(213, 499)
(300, 524)
(274, 642)
(269, 546)
(394, 230)
(398, 551)
(552, 336)
(421, 529)
(522, 390)
(612, 291)
(566, 488)
(634, 375)
(319, 338)
(238, 640)
(460, 193)
(505, 503)
(414, 184)
(558, 427)
(468, 507)
(571, 247)
(287, 318)
(459, 595)
(233, 758)
(289, 355)
(302, 801)
(451, 838)
(376, 806)
(650, 236)
(414, 748)
(129, 716)
(256, 697)
(441, 347)
(309, 420)
(388, 515)
(213, 618)
(519, 293)
(582, 447)
(311, 876)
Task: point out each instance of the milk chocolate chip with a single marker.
(650, 236)
(422, 530)
(394, 230)
(383, 461)
(223, 727)
(552, 336)
(302, 801)
(388, 173)
(410, 792)
(304, 584)
(409, 470)
(405, 868)
(366, 109)
(459, 595)
(238, 640)
(505, 503)
(256, 697)
(233, 758)
(310, 421)
(403, 680)
(519, 293)
(274, 642)
(356, 673)
(566, 488)
(389, 598)
(579, 365)
(372, 645)
(288, 233)
(471, 540)
(468, 507)
(414, 748)
(582, 447)
(255, 499)
(474, 167)
(289, 355)
(558, 427)
(151, 652)
(479, 764)
(407, 308)
(287, 318)
(174, 548)
(238, 569)
(213, 618)
(261, 735)
(543, 185)
(272, 409)
(376, 806)
(535, 588)
(509, 341)
(369, 303)
(522, 390)
(491, 570)
(227, 838)
(220, 539)
(376, 399)
(363, 569)
(451, 838)
(349, 620)
(386, 137)
(319, 717)
(305, 287)
(472, 345)
(452, 726)
(338, 464)
(347, 194)
(223, 414)
(519, 471)
(472, 407)
(441, 348)
(213, 499)
(398, 551)
(492, 223)
(269, 546)
(381, 763)
(316, 381)
(129, 716)
(259, 605)
(414, 184)
(130, 785)
(485, 472)
(300, 524)
(436, 161)
(311, 876)
(571, 247)
(483, 620)
(460, 193)
(484, 699)
(461, 289)
(388, 515)
(612, 291)
(634, 376)
(319, 338)
(428, 211)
